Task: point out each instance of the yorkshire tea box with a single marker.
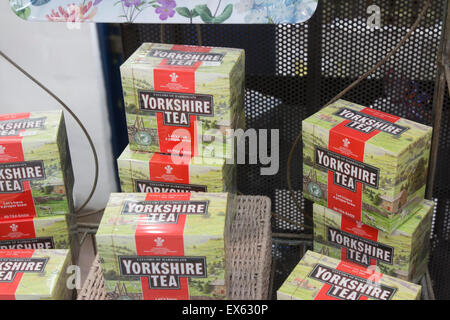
(319, 277)
(364, 163)
(36, 177)
(402, 254)
(183, 99)
(34, 274)
(35, 233)
(165, 246)
(165, 173)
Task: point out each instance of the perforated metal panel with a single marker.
(285, 257)
(293, 70)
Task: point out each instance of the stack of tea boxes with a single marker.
(164, 236)
(366, 172)
(36, 206)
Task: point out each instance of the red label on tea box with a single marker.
(360, 230)
(169, 168)
(160, 244)
(17, 229)
(350, 143)
(18, 203)
(8, 288)
(174, 78)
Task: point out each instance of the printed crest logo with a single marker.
(173, 77)
(346, 142)
(2, 149)
(159, 241)
(14, 227)
(359, 224)
(168, 169)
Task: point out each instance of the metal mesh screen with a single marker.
(293, 70)
(285, 256)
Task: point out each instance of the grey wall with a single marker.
(66, 61)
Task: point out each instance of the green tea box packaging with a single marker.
(36, 178)
(164, 173)
(165, 246)
(402, 253)
(364, 163)
(184, 99)
(30, 274)
(319, 277)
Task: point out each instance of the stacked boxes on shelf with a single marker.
(36, 183)
(366, 172)
(165, 236)
(182, 104)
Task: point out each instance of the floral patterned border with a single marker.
(166, 11)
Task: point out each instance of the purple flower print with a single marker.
(166, 9)
(131, 3)
(132, 8)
